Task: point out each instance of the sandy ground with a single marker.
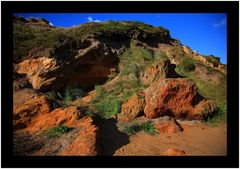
(195, 140)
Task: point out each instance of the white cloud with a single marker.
(90, 19)
(223, 22)
(50, 23)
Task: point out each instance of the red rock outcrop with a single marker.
(155, 71)
(86, 143)
(176, 97)
(67, 116)
(168, 126)
(27, 104)
(36, 68)
(132, 108)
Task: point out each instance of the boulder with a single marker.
(203, 109)
(86, 143)
(176, 97)
(27, 104)
(67, 116)
(174, 152)
(132, 108)
(168, 125)
(155, 71)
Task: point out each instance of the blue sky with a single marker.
(205, 32)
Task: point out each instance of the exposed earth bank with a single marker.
(114, 88)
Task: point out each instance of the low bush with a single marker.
(147, 127)
(219, 117)
(57, 131)
(72, 93)
(187, 65)
(99, 90)
(62, 100)
(107, 107)
(132, 129)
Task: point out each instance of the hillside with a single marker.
(78, 89)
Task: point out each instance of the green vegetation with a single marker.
(187, 65)
(72, 93)
(89, 113)
(99, 90)
(212, 59)
(33, 20)
(108, 102)
(210, 69)
(136, 59)
(166, 31)
(219, 117)
(108, 107)
(62, 99)
(147, 127)
(132, 129)
(160, 55)
(28, 37)
(57, 131)
(213, 92)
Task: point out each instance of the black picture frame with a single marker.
(230, 8)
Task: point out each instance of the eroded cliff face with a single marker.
(208, 61)
(140, 70)
(95, 56)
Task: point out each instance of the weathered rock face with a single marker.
(161, 69)
(195, 55)
(155, 71)
(174, 152)
(132, 108)
(27, 104)
(167, 125)
(88, 66)
(173, 51)
(21, 83)
(175, 97)
(35, 69)
(67, 116)
(32, 21)
(82, 140)
(187, 50)
(86, 143)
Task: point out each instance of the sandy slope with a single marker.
(194, 140)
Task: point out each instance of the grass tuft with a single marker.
(187, 65)
(57, 131)
(147, 127)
